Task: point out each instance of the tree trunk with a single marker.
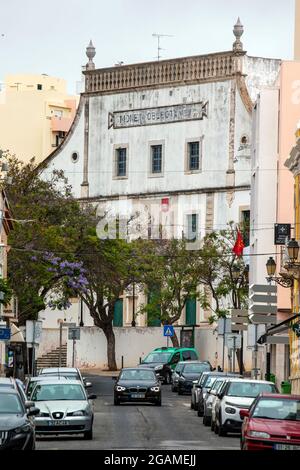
(111, 353)
(174, 340)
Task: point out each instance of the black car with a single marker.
(137, 385)
(17, 429)
(190, 372)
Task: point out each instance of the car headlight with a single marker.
(230, 410)
(23, 429)
(263, 435)
(120, 389)
(159, 367)
(77, 413)
(155, 389)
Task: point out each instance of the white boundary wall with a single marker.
(132, 344)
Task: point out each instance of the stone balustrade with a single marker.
(160, 73)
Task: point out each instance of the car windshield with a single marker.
(216, 385)
(249, 389)
(49, 392)
(137, 374)
(10, 404)
(282, 409)
(179, 367)
(7, 385)
(65, 375)
(195, 368)
(157, 357)
(209, 381)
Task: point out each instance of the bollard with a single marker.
(122, 361)
(140, 360)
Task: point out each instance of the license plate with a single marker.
(58, 423)
(285, 447)
(137, 395)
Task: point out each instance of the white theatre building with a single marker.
(170, 134)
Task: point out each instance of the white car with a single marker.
(234, 395)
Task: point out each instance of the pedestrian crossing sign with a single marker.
(168, 330)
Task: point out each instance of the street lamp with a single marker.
(293, 250)
(284, 280)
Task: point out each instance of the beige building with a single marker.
(35, 114)
(297, 31)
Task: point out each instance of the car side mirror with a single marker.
(220, 395)
(92, 397)
(33, 412)
(29, 404)
(87, 384)
(244, 414)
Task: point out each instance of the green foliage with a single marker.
(6, 291)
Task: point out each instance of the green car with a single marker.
(164, 360)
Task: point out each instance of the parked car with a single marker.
(175, 375)
(200, 388)
(164, 360)
(66, 372)
(10, 382)
(234, 395)
(137, 385)
(209, 400)
(190, 372)
(32, 381)
(17, 429)
(65, 408)
(272, 423)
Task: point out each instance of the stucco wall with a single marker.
(50, 340)
(133, 343)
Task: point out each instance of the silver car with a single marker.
(67, 372)
(64, 406)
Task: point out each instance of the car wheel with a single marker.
(88, 435)
(173, 388)
(200, 412)
(168, 379)
(116, 401)
(205, 420)
(221, 429)
(192, 405)
(212, 425)
(158, 402)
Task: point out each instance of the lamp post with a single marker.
(133, 323)
(240, 279)
(81, 313)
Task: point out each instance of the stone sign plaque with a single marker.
(159, 115)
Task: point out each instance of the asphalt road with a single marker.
(172, 426)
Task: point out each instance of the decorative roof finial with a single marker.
(90, 52)
(238, 31)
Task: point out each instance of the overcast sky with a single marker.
(39, 36)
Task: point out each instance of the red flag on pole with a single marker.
(239, 245)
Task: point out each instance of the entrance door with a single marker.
(190, 312)
(118, 313)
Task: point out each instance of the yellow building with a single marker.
(35, 114)
(293, 164)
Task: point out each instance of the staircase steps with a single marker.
(51, 359)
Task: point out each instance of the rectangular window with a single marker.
(121, 163)
(192, 227)
(193, 156)
(245, 226)
(156, 159)
(39, 86)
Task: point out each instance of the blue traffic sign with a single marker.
(168, 330)
(4, 334)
